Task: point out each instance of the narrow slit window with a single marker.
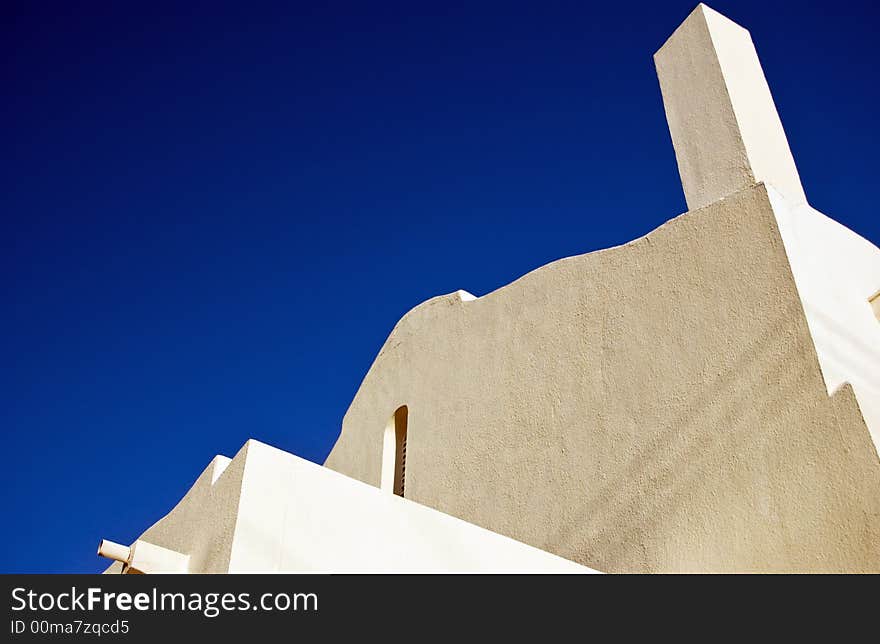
(394, 453)
(875, 304)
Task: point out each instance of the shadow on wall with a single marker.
(689, 452)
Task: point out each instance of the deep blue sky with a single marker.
(211, 218)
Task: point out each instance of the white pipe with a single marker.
(115, 551)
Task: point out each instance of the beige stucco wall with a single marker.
(202, 524)
(722, 118)
(653, 407)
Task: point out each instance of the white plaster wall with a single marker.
(295, 516)
(836, 272)
(269, 511)
(758, 119)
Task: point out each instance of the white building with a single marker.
(705, 398)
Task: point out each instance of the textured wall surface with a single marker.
(202, 524)
(657, 406)
(724, 125)
(270, 511)
(836, 273)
